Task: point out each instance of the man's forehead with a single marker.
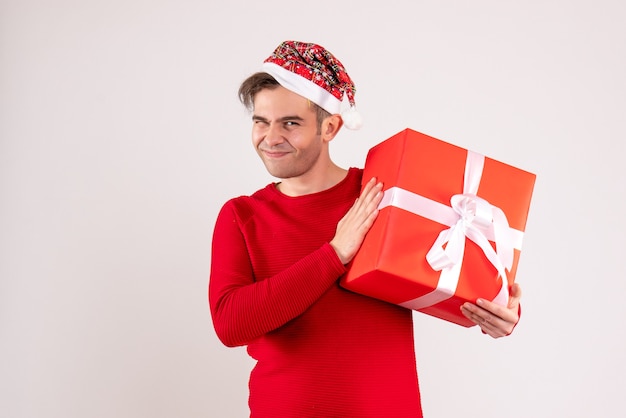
(280, 94)
(282, 103)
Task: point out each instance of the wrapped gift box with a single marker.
(449, 229)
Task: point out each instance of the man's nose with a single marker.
(274, 135)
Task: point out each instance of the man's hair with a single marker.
(261, 81)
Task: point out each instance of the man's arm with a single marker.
(244, 309)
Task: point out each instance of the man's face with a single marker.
(285, 133)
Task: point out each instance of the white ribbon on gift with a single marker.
(468, 216)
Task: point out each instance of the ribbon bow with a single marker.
(469, 216)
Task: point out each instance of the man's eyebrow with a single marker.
(282, 119)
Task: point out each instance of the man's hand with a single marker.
(493, 319)
(352, 228)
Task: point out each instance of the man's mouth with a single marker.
(274, 153)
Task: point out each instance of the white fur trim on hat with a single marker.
(305, 88)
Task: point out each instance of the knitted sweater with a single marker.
(320, 350)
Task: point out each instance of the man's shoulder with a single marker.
(243, 206)
(264, 193)
(358, 171)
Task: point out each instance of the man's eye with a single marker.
(291, 123)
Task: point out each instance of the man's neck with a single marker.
(300, 186)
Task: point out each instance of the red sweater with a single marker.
(321, 350)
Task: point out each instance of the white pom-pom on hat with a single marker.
(352, 119)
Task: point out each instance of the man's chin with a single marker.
(278, 172)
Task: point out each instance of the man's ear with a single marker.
(331, 126)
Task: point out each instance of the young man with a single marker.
(278, 254)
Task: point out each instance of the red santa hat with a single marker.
(314, 73)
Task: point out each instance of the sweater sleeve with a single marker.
(243, 309)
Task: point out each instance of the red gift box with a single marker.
(449, 229)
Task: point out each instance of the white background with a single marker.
(121, 136)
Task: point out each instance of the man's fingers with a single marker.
(493, 319)
(515, 296)
(352, 228)
(370, 192)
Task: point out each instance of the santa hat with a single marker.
(314, 73)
